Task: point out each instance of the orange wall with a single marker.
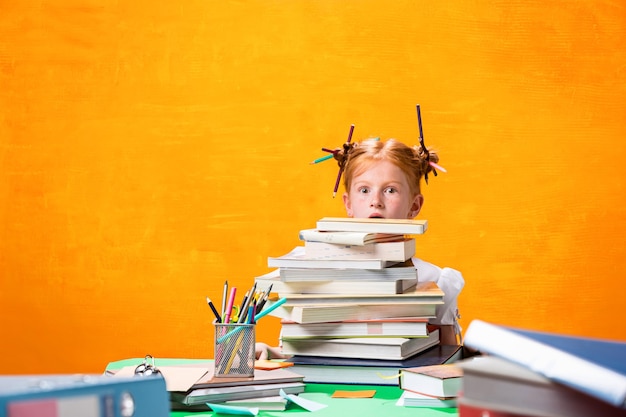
(150, 151)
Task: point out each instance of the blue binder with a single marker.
(83, 395)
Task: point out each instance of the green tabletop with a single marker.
(382, 404)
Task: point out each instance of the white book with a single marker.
(325, 313)
(401, 270)
(373, 225)
(405, 327)
(298, 259)
(284, 288)
(347, 238)
(389, 348)
(413, 399)
(593, 366)
(398, 251)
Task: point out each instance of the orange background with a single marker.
(151, 150)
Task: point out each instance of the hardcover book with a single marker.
(324, 313)
(402, 270)
(398, 251)
(347, 238)
(391, 348)
(318, 369)
(495, 384)
(405, 327)
(424, 293)
(593, 366)
(298, 259)
(443, 381)
(283, 288)
(372, 225)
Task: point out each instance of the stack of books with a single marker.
(531, 373)
(434, 386)
(192, 385)
(354, 301)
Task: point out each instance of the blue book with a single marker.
(335, 370)
(593, 366)
(84, 395)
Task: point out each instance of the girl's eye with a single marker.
(364, 190)
(391, 190)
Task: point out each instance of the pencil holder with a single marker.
(234, 350)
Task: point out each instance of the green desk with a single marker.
(383, 404)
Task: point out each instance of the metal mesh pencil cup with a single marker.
(234, 349)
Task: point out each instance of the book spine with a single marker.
(555, 364)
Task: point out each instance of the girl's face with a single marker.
(382, 190)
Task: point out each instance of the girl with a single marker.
(382, 179)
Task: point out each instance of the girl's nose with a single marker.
(376, 201)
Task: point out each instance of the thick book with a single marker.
(238, 392)
(398, 251)
(373, 225)
(405, 327)
(593, 366)
(318, 369)
(424, 293)
(495, 384)
(391, 348)
(442, 380)
(347, 238)
(324, 313)
(332, 287)
(413, 399)
(402, 270)
(298, 259)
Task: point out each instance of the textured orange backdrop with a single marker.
(151, 150)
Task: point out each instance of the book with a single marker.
(372, 225)
(413, 399)
(442, 380)
(392, 348)
(593, 366)
(496, 384)
(298, 259)
(405, 327)
(403, 270)
(347, 238)
(398, 251)
(324, 313)
(424, 293)
(332, 370)
(237, 392)
(276, 403)
(332, 287)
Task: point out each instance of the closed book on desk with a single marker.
(593, 366)
(412, 399)
(495, 384)
(333, 286)
(394, 251)
(393, 327)
(325, 313)
(298, 259)
(402, 270)
(442, 380)
(367, 348)
(328, 370)
(423, 293)
(350, 224)
(240, 392)
(347, 238)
